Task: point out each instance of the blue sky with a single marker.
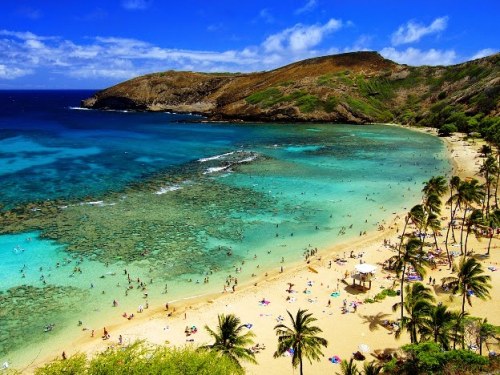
(94, 44)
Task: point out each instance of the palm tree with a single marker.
(454, 184)
(470, 280)
(434, 223)
(474, 219)
(493, 223)
(488, 170)
(348, 368)
(301, 337)
(469, 192)
(230, 340)
(435, 185)
(438, 325)
(416, 215)
(411, 256)
(417, 305)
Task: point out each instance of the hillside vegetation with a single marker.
(358, 87)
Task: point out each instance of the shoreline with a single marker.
(148, 323)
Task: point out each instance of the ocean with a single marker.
(149, 208)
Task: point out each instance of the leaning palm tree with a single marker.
(416, 216)
(301, 338)
(348, 368)
(438, 325)
(417, 305)
(230, 340)
(410, 256)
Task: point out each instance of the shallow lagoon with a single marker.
(97, 193)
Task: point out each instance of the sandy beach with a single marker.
(314, 283)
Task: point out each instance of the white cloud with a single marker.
(413, 32)
(115, 58)
(300, 37)
(309, 6)
(136, 4)
(483, 53)
(415, 56)
(9, 72)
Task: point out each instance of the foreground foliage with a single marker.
(140, 358)
(429, 358)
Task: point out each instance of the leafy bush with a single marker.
(330, 104)
(429, 358)
(446, 130)
(141, 359)
(390, 292)
(308, 103)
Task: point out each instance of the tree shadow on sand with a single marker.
(375, 321)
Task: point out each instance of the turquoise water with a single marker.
(100, 193)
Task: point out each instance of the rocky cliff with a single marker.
(358, 87)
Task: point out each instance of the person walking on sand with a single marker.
(63, 356)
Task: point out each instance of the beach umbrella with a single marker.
(363, 348)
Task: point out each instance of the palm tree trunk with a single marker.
(450, 224)
(466, 240)
(403, 235)
(489, 241)
(498, 177)
(488, 183)
(452, 218)
(401, 293)
(462, 231)
(300, 364)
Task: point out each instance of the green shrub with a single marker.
(141, 359)
(446, 130)
(390, 292)
(325, 80)
(330, 104)
(308, 103)
(265, 98)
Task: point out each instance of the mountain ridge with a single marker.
(356, 87)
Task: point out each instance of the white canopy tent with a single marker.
(365, 268)
(363, 274)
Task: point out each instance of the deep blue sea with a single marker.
(175, 201)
